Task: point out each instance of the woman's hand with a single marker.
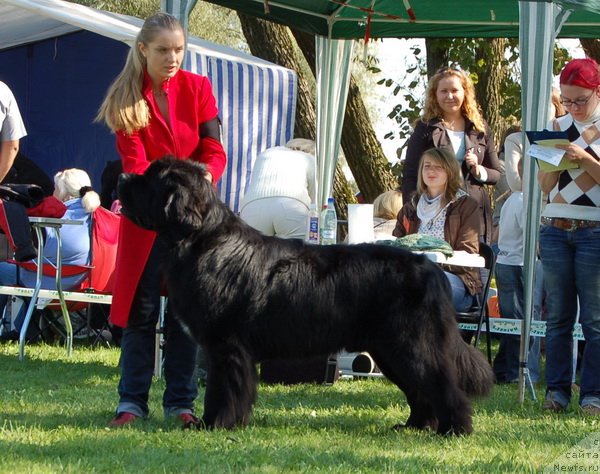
(574, 153)
(472, 162)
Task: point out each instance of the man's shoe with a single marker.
(555, 402)
(188, 421)
(123, 418)
(591, 406)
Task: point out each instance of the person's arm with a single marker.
(547, 180)
(402, 223)
(489, 170)
(575, 154)
(132, 152)
(210, 151)
(8, 152)
(467, 234)
(513, 151)
(417, 145)
(311, 178)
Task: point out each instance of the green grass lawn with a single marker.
(54, 411)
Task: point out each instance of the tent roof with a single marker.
(390, 18)
(28, 21)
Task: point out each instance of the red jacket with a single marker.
(191, 103)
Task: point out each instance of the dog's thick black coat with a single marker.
(246, 297)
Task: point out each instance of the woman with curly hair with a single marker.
(452, 119)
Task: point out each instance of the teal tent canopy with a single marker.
(350, 19)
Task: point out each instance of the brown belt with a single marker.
(569, 224)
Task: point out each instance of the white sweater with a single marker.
(510, 239)
(281, 172)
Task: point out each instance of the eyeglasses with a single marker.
(578, 102)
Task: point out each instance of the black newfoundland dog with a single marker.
(246, 297)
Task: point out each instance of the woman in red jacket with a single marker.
(156, 109)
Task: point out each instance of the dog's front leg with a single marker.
(230, 386)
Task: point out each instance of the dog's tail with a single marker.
(475, 375)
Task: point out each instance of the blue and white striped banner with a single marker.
(257, 106)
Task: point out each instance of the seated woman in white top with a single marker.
(282, 186)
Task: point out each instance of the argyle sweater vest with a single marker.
(576, 195)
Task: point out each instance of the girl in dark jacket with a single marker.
(441, 208)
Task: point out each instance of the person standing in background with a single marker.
(570, 242)
(451, 119)
(281, 189)
(511, 289)
(12, 129)
(156, 109)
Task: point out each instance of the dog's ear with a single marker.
(186, 198)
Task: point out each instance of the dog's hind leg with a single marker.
(230, 386)
(431, 389)
(421, 414)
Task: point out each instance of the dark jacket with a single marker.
(432, 134)
(460, 231)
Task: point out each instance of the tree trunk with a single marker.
(488, 86)
(437, 55)
(362, 150)
(274, 43)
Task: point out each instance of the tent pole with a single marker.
(539, 24)
(181, 10)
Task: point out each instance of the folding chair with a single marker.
(104, 236)
(479, 313)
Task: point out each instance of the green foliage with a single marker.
(210, 22)
(137, 8)
(472, 55)
(410, 88)
(55, 410)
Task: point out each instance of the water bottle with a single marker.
(312, 225)
(329, 224)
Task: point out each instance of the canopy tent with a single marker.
(537, 23)
(350, 19)
(59, 59)
(337, 20)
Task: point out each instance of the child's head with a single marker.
(387, 205)
(439, 166)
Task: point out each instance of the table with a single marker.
(38, 223)
(459, 258)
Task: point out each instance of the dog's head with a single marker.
(171, 197)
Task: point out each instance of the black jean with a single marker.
(138, 349)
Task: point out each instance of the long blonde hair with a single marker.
(469, 108)
(124, 107)
(445, 158)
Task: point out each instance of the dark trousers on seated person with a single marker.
(461, 298)
(138, 349)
